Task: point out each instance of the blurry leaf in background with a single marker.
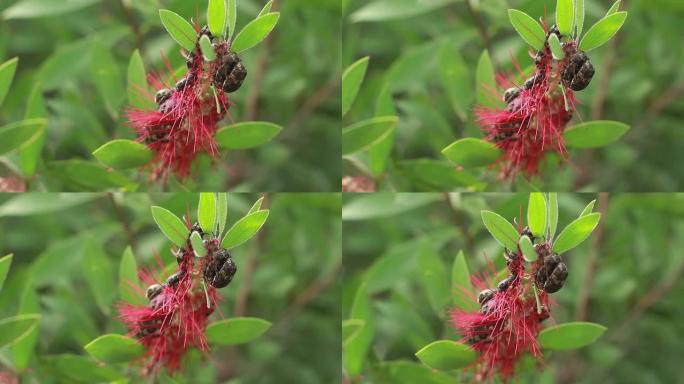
(129, 284)
(471, 152)
(7, 70)
(366, 133)
(25, 9)
(13, 136)
(447, 355)
(352, 78)
(5, 263)
(381, 10)
(31, 204)
(236, 330)
(114, 349)
(123, 154)
(16, 327)
(137, 83)
(107, 78)
(461, 286)
(384, 204)
(485, 82)
(594, 134)
(357, 348)
(570, 335)
(247, 134)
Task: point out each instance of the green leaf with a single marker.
(384, 10)
(39, 204)
(384, 204)
(556, 49)
(461, 284)
(565, 15)
(90, 175)
(536, 214)
(527, 249)
(32, 149)
(502, 231)
(207, 48)
(256, 206)
(254, 32)
(137, 83)
(439, 175)
(602, 31)
(82, 369)
(23, 349)
(579, 17)
(105, 74)
(16, 327)
(179, 29)
(5, 263)
(588, 209)
(28, 9)
(614, 8)
(123, 154)
(128, 278)
(266, 9)
(7, 70)
(198, 245)
(454, 73)
(216, 17)
(553, 214)
(99, 273)
(350, 329)
(244, 229)
(231, 18)
(248, 134)
(113, 349)
(485, 83)
(237, 330)
(594, 133)
(221, 211)
(352, 77)
(362, 135)
(16, 135)
(570, 335)
(471, 152)
(357, 348)
(528, 28)
(447, 355)
(206, 211)
(576, 232)
(433, 276)
(171, 226)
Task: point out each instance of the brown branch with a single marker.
(480, 26)
(660, 104)
(130, 19)
(314, 101)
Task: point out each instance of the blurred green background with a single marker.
(639, 80)
(288, 274)
(626, 276)
(293, 81)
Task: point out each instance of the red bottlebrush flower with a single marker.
(537, 111)
(509, 320)
(177, 315)
(185, 123)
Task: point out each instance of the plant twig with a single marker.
(130, 19)
(480, 26)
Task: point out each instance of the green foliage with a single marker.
(537, 214)
(565, 16)
(114, 349)
(171, 226)
(179, 28)
(502, 231)
(7, 70)
(446, 355)
(602, 31)
(217, 17)
(5, 263)
(236, 330)
(362, 135)
(576, 232)
(570, 335)
(352, 77)
(206, 212)
(529, 29)
(485, 81)
(594, 134)
(244, 229)
(16, 327)
(247, 135)
(123, 154)
(254, 32)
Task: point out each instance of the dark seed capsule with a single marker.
(162, 95)
(485, 296)
(153, 291)
(578, 73)
(505, 283)
(230, 73)
(174, 279)
(557, 278)
(510, 94)
(205, 31)
(220, 270)
(532, 81)
(184, 82)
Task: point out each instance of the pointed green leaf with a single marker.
(357, 348)
(113, 349)
(5, 263)
(16, 327)
(206, 211)
(502, 231)
(207, 48)
(447, 355)
(179, 29)
(461, 285)
(244, 229)
(588, 209)
(576, 232)
(23, 349)
(579, 17)
(222, 212)
(536, 214)
(123, 154)
(100, 276)
(198, 244)
(454, 73)
(248, 134)
(570, 335)
(528, 28)
(15, 135)
(614, 8)
(266, 9)
(216, 17)
(171, 226)
(565, 15)
(30, 152)
(7, 70)
(28, 9)
(137, 82)
(471, 152)
(254, 32)
(433, 276)
(527, 249)
(107, 78)
(237, 330)
(350, 329)
(352, 78)
(553, 214)
(556, 49)
(79, 368)
(256, 206)
(485, 82)
(231, 18)
(602, 31)
(128, 278)
(594, 134)
(363, 134)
